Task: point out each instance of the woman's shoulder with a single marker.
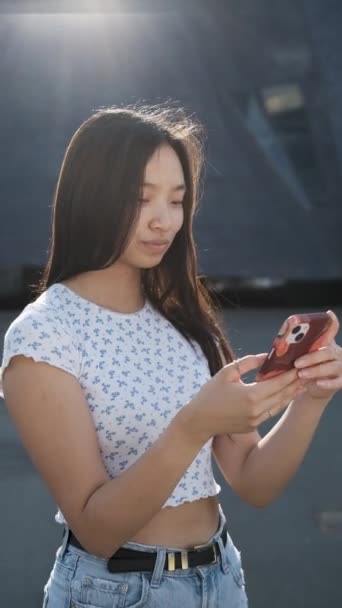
(45, 311)
(41, 331)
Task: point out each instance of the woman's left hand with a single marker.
(321, 370)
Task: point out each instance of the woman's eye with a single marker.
(146, 200)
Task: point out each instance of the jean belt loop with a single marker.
(61, 550)
(223, 520)
(224, 557)
(158, 568)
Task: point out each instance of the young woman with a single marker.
(121, 383)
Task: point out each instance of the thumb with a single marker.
(334, 329)
(239, 367)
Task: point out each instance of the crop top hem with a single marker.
(192, 499)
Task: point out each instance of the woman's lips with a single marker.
(154, 246)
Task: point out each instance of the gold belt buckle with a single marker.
(171, 564)
(185, 562)
(171, 561)
(171, 558)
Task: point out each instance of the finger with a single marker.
(325, 353)
(272, 386)
(333, 384)
(272, 413)
(269, 415)
(241, 366)
(332, 368)
(273, 402)
(333, 330)
(274, 405)
(336, 324)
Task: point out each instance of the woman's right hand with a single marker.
(225, 404)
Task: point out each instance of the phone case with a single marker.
(298, 335)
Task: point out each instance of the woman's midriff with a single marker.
(189, 524)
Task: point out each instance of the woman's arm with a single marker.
(53, 420)
(259, 469)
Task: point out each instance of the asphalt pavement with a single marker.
(291, 550)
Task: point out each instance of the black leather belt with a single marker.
(129, 560)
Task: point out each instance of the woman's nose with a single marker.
(162, 219)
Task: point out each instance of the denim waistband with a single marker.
(97, 563)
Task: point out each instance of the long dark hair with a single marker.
(96, 204)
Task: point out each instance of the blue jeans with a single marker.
(81, 580)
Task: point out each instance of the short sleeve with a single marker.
(42, 335)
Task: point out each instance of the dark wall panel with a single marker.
(261, 76)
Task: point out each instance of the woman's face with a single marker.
(161, 209)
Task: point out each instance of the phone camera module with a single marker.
(299, 337)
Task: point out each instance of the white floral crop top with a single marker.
(136, 371)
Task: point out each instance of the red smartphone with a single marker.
(298, 335)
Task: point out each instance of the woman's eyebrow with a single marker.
(179, 188)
